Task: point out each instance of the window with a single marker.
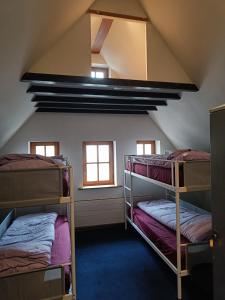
(98, 163)
(146, 147)
(44, 148)
(99, 72)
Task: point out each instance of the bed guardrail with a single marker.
(196, 173)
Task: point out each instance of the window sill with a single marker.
(99, 187)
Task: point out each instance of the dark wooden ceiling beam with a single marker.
(91, 111)
(51, 90)
(63, 93)
(54, 99)
(53, 79)
(101, 35)
(116, 15)
(96, 106)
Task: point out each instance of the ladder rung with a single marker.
(127, 188)
(128, 203)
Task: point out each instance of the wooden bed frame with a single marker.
(196, 178)
(23, 191)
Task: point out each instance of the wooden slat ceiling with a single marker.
(76, 94)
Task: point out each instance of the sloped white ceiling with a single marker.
(194, 31)
(71, 55)
(27, 29)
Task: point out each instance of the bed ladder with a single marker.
(128, 200)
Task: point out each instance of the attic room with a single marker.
(111, 149)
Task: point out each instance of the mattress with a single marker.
(26, 244)
(61, 247)
(60, 250)
(195, 224)
(163, 237)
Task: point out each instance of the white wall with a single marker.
(71, 130)
(125, 49)
(98, 60)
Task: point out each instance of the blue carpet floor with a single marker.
(114, 264)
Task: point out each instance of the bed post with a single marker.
(129, 189)
(72, 233)
(131, 198)
(124, 194)
(179, 283)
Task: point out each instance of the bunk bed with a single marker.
(180, 172)
(37, 234)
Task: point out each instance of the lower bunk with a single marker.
(161, 235)
(35, 262)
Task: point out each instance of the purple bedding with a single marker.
(163, 237)
(158, 167)
(24, 161)
(158, 173)
(61, 247)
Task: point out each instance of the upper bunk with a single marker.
(31, 180)
(181, 171)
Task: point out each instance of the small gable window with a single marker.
(97, 72)
(146, 147)
(45, 148)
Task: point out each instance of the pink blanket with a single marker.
(26, 244)
(26, 161)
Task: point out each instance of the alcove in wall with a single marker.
(119, 45)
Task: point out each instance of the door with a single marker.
(217, 124)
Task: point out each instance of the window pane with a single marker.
(148, 149)
(99, 75)
(140, 149)
(103, 153)
(103, 172)
(40, 150)
(93, 74)
(92, 172)
(50, 150)
(91, 153)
